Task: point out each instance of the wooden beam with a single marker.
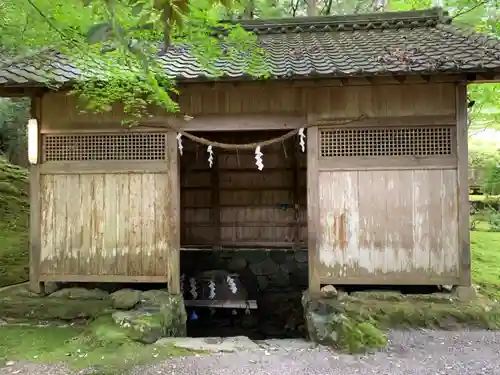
(296, 191)
(35, 235)
(197, 123)
(173, 271)
(216, 204)
(463, 184)
(313, 210)
(398, 121)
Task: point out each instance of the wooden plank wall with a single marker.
(235, 204)
(113, 225)
(401, 230)
(317, 101)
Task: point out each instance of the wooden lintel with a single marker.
(426, 78)
(386, 121)
(400, 78)
(198, 123)
(10, 92)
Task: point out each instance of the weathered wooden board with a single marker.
(388, 226)
(106, 224)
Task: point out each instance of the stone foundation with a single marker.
(261, 271)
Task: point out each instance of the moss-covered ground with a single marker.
(101, 345)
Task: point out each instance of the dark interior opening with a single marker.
(233, 204)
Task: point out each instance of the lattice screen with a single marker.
(408, 141)
(136, 146)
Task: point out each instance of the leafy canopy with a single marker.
(117, 43)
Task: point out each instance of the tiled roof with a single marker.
(361, 45)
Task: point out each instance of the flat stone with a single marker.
(211, 344)
(80, 293)
(125, 299)
(465, 293)
(380, 295)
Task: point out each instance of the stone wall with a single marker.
(261, 271)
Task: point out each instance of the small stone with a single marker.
(126, 299)
(9, 363)
(329, 291)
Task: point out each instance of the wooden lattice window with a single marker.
(407, 141)
(132, 146)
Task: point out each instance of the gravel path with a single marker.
(409, 353)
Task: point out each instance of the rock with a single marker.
(50, 287)
(328, 291)
(159, 315)
(212, 344)
(10, 363)
(266, 267)
(465, 293)
(3, 322)
(126, 299)
(237, 264)
(262, 282)
(301, 256)
(328, 324)
(279, 279)
(380, 295)
(80, 293)
(141, 325)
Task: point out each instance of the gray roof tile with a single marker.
(360, 45)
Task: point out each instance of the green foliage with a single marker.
(14, 114)
(360, 336)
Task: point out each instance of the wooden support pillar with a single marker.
(313, 209)
(463, 184)
(296, 193)
(216, 204)
(173, 270)
(35, 236)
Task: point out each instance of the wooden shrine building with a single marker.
(378, 197)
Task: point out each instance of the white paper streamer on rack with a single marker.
(211, 286)
(302, 140)
(192, 283)
(258, 159)
(210, 156)
(179, 142)
(232, 285)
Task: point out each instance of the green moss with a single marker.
(102, 346)
(485, 260)
(359, 336)
(14, 217)
(42, 308)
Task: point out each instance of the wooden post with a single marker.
(296, 193)
(173, 270)
(216, 204)
(463, 184)
(313, 209)
(35, 236)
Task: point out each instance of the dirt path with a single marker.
(417, 352)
